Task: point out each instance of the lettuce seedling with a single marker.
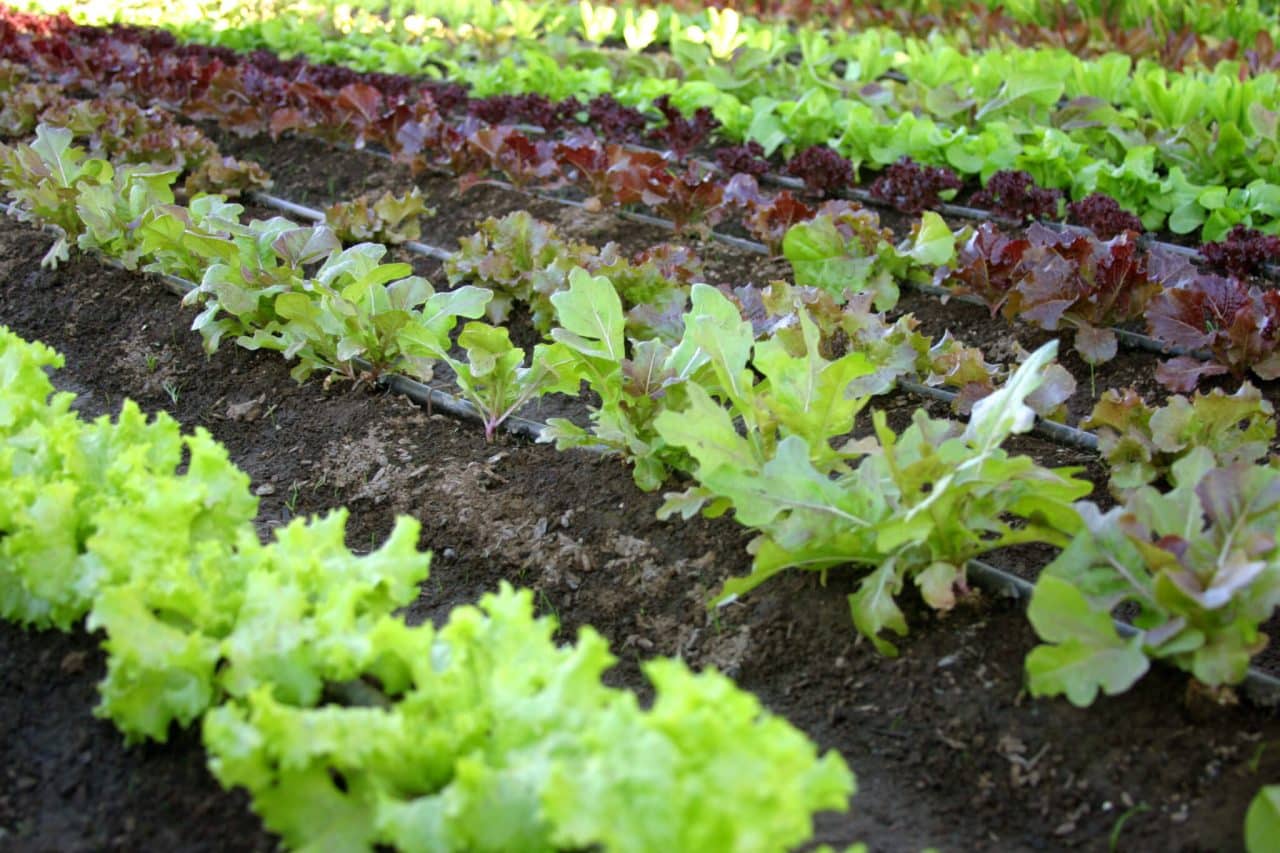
(1200, 563)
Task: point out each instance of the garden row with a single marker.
(1089, 285)
(1152, 170)
(202, 622)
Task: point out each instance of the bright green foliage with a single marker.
(632, 390)
(694, 736)
(497, 739)
(356, 307)
(198, 620)
(803, 393)
(848, 252)
(1200, 562)
(185, 241)
(484, 735)
(918, 505)
(241, 267)
(895, 349)
(110, 211)
(1087, 655)
(495, 378)
(243, 275)
(1141, 443)
(1262, 821)
(71, 486)
(45, 178)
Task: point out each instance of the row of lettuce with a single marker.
(1052, 279)
(1055, 280)
(1179, 32)
(1208, 30)
(1166, 165)
(483, 734)
(1156, 140)
(910, 508)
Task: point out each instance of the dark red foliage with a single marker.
(769, 221)
(912, 188)
(1103, 215)
(528, 108)
(1054, 278)
(1238, 324)
(1014, 194)
(636, 177)
(673, 261)
(524, 162)
(693, 199)
(682, 135)
(823, 171)
(1243, 253)
(447, 96)
(614, 122)
(743, 159)
(584, 154)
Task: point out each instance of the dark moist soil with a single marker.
(948, 749)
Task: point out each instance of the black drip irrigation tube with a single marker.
(1259, 687)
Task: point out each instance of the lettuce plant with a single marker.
(388, 218)
(917, 506)
(1141, 443)
(356, 307)
(1236, 323)
(846, 251)
(1200, 563)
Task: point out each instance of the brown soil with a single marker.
(948, 749)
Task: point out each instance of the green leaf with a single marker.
(590, 317)
(1262, 821)
(1087, 654)
(874, 609)
(820, 257)
(932, 242)
(1005, 412)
